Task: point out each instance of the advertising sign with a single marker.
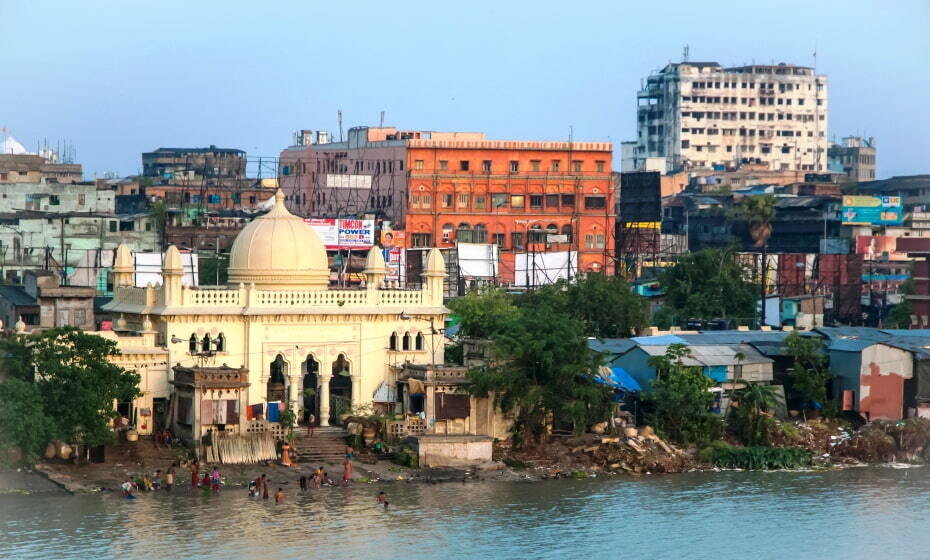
(879, 248)
(872, 210)
(344, 234)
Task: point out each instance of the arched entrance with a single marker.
(277, 380)
(311, 370)
(340, 389)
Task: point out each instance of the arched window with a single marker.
(192, 344)
(406, 343)
(205, 343)
(536, 234)
(567, 231)
(221, 343)
(447, 232)
(392, 342)
(418, 342)
(481, 233)
(552, 228)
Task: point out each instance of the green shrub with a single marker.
(514, 463)
(756, 458)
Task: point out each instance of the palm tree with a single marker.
(759, 211)
(754, 400)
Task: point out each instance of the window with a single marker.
(499, 240)
(392, 342)
(80, 316)
(555, 165)
(685, 143)
(516, 240)
(599, 241)
(567, 232)
(589, 241)
(415, 201)
(443, 164)
(536, 201)
(447, 233)
(113, 225)
(405, 343)
(418, 342)
(514, 166)
(286, 170)
(486, 166)
(427, 201)
(534, 164)
(600, 166)
(568, 200)
(148, 226)
(498, 200)
(192, 344)
(517, 201)
(536, 234)
(127, 226)
(205, 343)
(54, 200)
(595, 202)
(447, 200)
(552, 200)
(576, 166)
(422, 240)
(463, 165)
(481, 202)
(221, 343)
(418, 165)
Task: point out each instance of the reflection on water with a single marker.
(857, 513)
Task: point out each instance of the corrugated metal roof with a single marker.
(713, 355)
(17, 296)
(611, 345)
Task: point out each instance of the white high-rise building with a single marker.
(700, 115)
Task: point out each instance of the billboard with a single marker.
(344, 234)
(872, 210)
(879, 248)
(539, 269)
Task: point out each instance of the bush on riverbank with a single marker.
(725, 455)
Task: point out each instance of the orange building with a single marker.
(447, 187)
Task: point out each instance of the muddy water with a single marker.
(856, 513)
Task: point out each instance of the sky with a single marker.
(118, 78)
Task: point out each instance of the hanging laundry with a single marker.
(273, 411)
(219, 412)
(258, 410)
(232, 411)
(206, 411)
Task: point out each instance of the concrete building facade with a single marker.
(855, 157)
(699, 115)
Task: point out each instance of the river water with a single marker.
(856, 513)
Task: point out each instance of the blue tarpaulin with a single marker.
(618, 378)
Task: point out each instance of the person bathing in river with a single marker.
(195, 475)
(169, 478)
(215, 480)
(279, 496)
(382, 498)
(346, 471)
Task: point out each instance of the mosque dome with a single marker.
(279, 251)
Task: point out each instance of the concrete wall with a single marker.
(882, 375)
(454, 451)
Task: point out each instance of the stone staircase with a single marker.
(327, 446)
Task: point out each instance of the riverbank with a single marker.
(831, 443)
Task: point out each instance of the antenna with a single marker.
(685, 53)
(339, 116)
(381, 124)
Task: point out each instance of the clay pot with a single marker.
(599, 428)
(630, 432)
(369, 435)
(132, 435)
(50, 451)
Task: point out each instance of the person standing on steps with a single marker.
(311, 419)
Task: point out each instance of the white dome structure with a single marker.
(11, 146)
(279, 251)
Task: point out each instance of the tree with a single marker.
(605, 305)
(750, 418)
(543, 369)
(76, 381)
(810, 374)
(681, 400)
(759, 211)
(484, 313)
(158, 213)
(24, 425)
(900, 315)
(708, 284)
